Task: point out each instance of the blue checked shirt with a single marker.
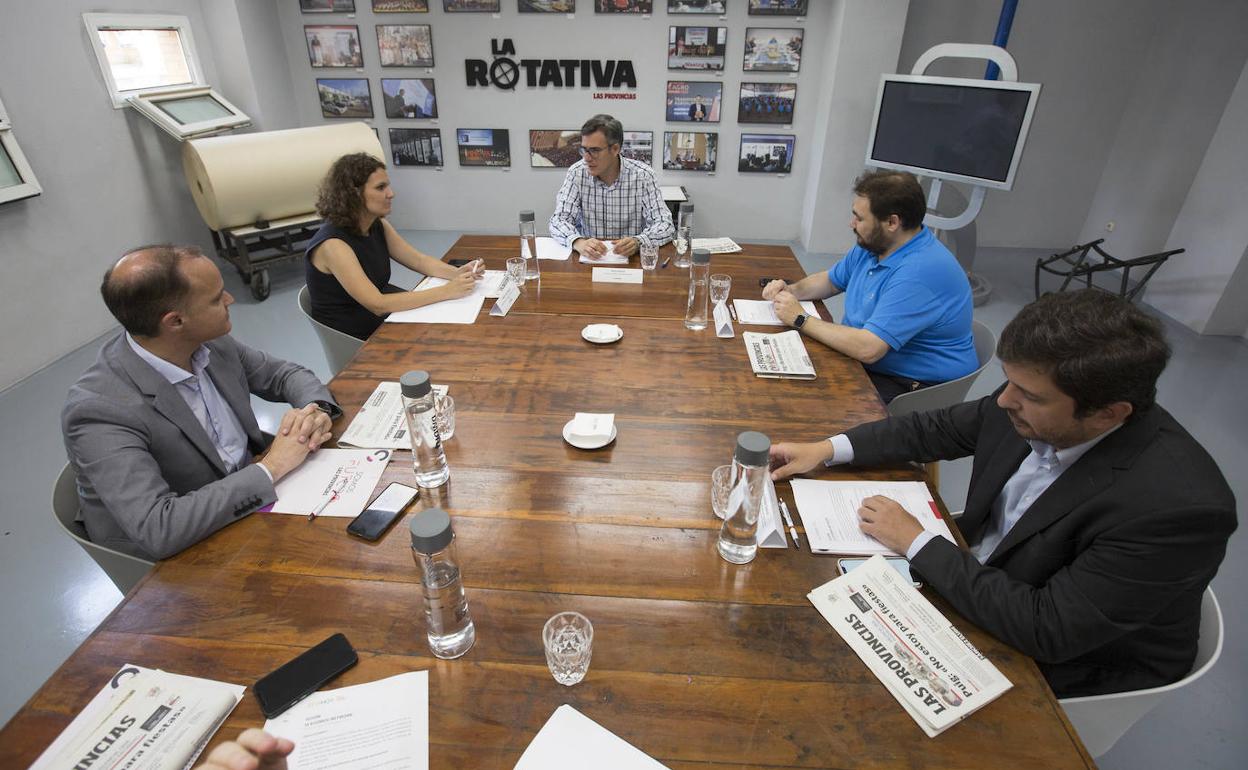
(632, 206)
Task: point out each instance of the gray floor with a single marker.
(55, 595)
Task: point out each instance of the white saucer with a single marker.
(602, 334)
(581, 443)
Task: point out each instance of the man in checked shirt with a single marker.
(608, 197)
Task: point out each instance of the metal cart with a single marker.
(251, 249)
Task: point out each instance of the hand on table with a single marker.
(791, 459)
(590, 247)
(253, 750)
(301, 431)
(786, 306)
(885, 520)
(773, 288)
(627, 247)
(461, 285)
(475, 268)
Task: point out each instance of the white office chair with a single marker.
(953, 391)
(122, 568)
(1102, 719)
(339, 348)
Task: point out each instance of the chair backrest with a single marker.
(953, 391)
(1102, 719)
(339, 348)
(122, 568)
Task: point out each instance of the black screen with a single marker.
(967, 130)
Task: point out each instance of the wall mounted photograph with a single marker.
(697, 6)
(690, 150)
(766, 153)
(327, 6)
(767, 103)
(554, 149)
(694, 101)
(770, 49)
(696, 48)
(778, 7)
(344, 98)
(416, 146)
(413, 98)
(483, 146)
(623, 6)
(334, 46)
(471, 6)
(400, 6)
(547, 6)
(638, 145)
(405, 45)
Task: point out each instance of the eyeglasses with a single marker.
(593, 152)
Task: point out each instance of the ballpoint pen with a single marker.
(324, 504)
(665, 261)
(784, 509)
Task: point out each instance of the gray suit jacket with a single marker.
(149, 478)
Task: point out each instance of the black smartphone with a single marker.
(304, 675)
(458, 262)
(382, 512)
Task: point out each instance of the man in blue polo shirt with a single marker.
(907, 300)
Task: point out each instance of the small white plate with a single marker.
(602, 334)
(580, 442)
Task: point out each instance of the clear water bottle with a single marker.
(684, 234)
(699, 290)
(419, 406)
(447, 620)
(528, 246)
(737, 542)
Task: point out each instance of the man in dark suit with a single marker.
(1095, 521)
(160, 430)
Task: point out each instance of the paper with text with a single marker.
(462, 310)
(547, 248)
(761, 312)
(616, 275)
(493, 281)
(717, 245)
(506, 298)
(380, 423)
(345, 477)
(779, 355)
(572, 741)
(829, 511)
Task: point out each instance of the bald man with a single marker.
(160, 430)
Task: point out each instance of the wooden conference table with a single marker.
(697, 662)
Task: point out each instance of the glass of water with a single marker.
(721, 489)
(721, 285)
(515, 270)
(569, 641)
(649, 256)
(444, 411)
(681, 243)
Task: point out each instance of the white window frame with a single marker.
(29, 186)
(148, 105)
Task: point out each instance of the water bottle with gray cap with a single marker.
(448, 623)
(420, 408)
(528, 246)
(750, 464)
(699, 290)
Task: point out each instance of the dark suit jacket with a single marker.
(149, 477)
(1101, 579)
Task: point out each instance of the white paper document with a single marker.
(760, 312)
(716, 245)
(379, 724)
(572, 741)
(547, 248)
(463, 310)
(493, 281)
(673, 192)
(609, 258)
(829, 511)
(380, 423)
(332, 482)
(616, 275)
(780, 355)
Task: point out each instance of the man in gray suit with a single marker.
(160, 430)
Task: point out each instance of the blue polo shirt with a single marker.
(918, 300)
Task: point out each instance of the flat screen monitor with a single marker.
(952, 128)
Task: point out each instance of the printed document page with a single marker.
(378, 724)
(332, 482)
(572, 741)
(760, 312)
(716, 245)
(778, 355)
(380, 423)
(547, 248)
(463, 310)
(829, 511)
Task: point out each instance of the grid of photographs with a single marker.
(345, 98)
(690, 150)
(638, 145)
(766, 153)
(696, 48)
(400, 6)
(554, 149)
(767, 103)
(334, 46)
(623, 6)
(777, 7)
(547, 6)
(416, 146)
(697, 6)
(483, 146)
(695, 102)
(771, 49)
(409, 98)
(405, 45)
(327, 6)
(470, 6)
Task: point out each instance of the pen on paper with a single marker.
(788, 519)
(333, 495)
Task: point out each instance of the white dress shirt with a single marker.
(630, 206)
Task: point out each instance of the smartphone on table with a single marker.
(896, 562)
(299, 678)
(382, 511)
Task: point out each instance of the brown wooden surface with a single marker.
(699, 663)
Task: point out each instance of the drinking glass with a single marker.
(515, 269)
(720, 286)
(569, 641)
(682, 246)
(444, 412)
(649, 257)
(721, 489)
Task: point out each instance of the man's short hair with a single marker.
(611, 128)
(893, 192)
(143, 298)
(1097, 347)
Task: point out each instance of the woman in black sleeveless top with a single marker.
(348, 260)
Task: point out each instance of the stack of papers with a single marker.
(332, 482)
(572, 741)
(463, 310)
(716, 245)
(829, 511)
(762, 312)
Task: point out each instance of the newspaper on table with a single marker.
(144, 719)
(933, 671)
(779, 355)
(380, 423)
(716, 245)
(829, 511)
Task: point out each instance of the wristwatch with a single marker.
(329, 408)
(800, 320)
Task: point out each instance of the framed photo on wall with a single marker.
(696, 102)
(334, 46)
(623, 6)
(410, 98)
(547, 6)
(344, 98)
(327, 6)
(483, 146)
(772, 49)
(416, 146)
(767, 103)
(638, 145)
(405, 45)
(400, 6)
(777, 7)
(697, 6)
(766, 153)
(690, 150)
(696, 48)
(470, 6)
(554, 149)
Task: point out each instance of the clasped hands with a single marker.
(782, 301)
(301, 432)
(594, 248)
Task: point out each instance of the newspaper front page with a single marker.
(779, 355)
(932, 670)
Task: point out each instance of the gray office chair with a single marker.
(122, 568)
(339, 348)
(1102, 719)
(954, 391)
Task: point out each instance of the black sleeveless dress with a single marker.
(331, 304)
